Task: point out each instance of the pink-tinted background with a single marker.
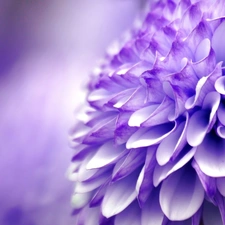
(47, 49)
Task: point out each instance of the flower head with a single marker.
(150, 145)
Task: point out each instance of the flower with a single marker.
(150, 141)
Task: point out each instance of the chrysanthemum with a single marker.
(150, 145)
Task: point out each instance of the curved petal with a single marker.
(144, 184)
(211, 214)
(151, 211)
(162, 172)
(147, 137)
(210, 156)
(105, 155)
(220, 85)
(203, 49)
(119, 195)
(220, 182)
(221, 113)
(129, 216)
(90, 185)
(141, 115)
(208, 183)
(221, 131)
(201, 120)
(181, 195)
(172, 144)
(91, 219)
(99, 194)
(79, 200)
(216, 43)
(132, 161)
(161, 114)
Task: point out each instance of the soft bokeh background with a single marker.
(47, 49)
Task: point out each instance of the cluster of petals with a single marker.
(149, 147)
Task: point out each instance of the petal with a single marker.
(220, 85)
(161, 114)
(129, 216)
(127, 165)
(98, 196)
(196, 219)
(216, 42)
(123, 131)
(144, 184)
(137, 100)
(105, 155)
(221, 185)
(151, 211)
(221, 131)
(119, 195)
(91, 219)
(203, 49)
(204, 86)
(79, 200)
(208, 183)
(211, 214)
(90, 185)
(210, 156)
(141, 115)
(162, 172)
(147, 137)
(172, 145)
(181, 195)
(201, 120)
(221, 113)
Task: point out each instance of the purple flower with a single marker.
(150, 142)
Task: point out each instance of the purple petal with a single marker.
(144, 184)
(210, 156)
(162, 172)
(123, 131)
(106, 154)
(129, 216)
(216, 42)
(141, 115)
(208, 183)
(151, 211)
(211, 214)
(221, 113)
(221, 131)
(161, 114)
(172, 145)
(220, 182)
(137, 100)
(119, 195)
(191, 18)
(201, 120)
(90, 185)
(185, 222)
(204, 85)
(181, 195)
(220, 85)
(220, 202)
(196, 219)
(127, 165)
(79, 200)
(203, 49)
(147, 137)
(91, 219)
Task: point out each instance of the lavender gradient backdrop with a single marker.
(47, 49)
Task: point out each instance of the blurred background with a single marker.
(47, 50)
